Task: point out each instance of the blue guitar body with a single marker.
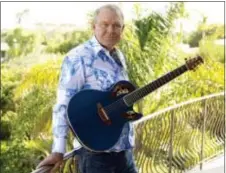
(97, 118)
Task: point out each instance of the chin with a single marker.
(112, 43)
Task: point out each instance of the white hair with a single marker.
(111, 7)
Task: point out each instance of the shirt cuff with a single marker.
(59, 145)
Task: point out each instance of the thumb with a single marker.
(56, 167)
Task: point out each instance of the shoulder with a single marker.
(120, 53)
(81, 51)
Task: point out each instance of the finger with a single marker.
(62, 166)
(40, 164)
(44, 163)
(56, 167)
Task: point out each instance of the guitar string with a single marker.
(109, 108)
(134, 97)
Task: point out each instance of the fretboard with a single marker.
(138, 94)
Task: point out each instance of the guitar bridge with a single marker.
(103, 115)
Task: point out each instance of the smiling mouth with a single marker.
(110, 38)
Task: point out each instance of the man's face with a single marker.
(108, 28)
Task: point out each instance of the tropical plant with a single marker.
(70, 40)
(29, 82)
(21, 42)
(212, 31)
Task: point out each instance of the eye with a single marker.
(104, 25)
(117, 25)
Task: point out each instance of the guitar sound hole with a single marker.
(122, 91)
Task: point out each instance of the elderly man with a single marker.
(96, 64)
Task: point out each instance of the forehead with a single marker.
(108, 15)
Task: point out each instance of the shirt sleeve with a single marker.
(71, 81)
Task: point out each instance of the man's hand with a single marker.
(54, 159)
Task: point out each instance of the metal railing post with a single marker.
(171, 141)
(203, 134)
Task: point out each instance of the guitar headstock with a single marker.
(192, 63)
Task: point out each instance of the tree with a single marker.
(21, 15)
(20, 42)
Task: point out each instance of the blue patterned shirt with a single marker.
(87, 66)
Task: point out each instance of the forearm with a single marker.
(60, 129)
(71, 81)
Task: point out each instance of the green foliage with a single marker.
(194, 38)
(31, 121)
(176, 10)
(15, 157)
(5, 130)
(147, 28)
(7, 102)
(9, 81)
(44, 75)
(36, 92)
(149, 49)
(29, 83)
(21, 42)
(69, 41)
(211, 31)
(215, 31)
(26, 121)
(212, 51)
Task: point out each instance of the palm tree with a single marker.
(20, 16)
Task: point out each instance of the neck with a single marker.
(110, 49)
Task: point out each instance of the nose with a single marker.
(110, 29)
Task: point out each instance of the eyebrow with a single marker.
(106, 22)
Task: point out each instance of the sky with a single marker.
(76, 12)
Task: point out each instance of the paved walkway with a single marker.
(215, 165)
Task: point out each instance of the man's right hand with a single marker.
(54, 159)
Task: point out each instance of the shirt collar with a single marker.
(98, 47)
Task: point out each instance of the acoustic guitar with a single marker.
(97, 117)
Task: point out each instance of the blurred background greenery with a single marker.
(31, 60)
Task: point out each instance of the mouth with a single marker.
(110, 38)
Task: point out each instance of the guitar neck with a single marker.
(138, 94)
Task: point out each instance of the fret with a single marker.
(136, 95)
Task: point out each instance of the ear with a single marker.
(123, 27)
(93, 25)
